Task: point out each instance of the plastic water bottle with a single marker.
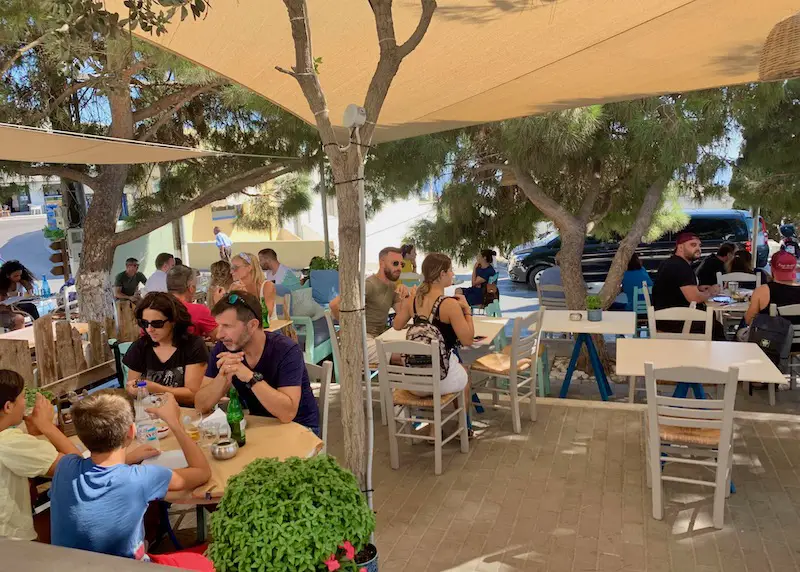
(45, 286)
(146, 430)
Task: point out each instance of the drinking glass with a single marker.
(209, 433)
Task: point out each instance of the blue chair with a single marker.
(120, 349)
(641, 300)
(312, 335)
(493, 309)
(324, 285)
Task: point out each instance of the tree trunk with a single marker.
(573, 237)
(95, 298)
(345, 167)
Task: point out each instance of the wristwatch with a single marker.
(257, 377)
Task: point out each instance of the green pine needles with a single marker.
(290, 515)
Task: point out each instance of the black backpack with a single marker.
(773, 335)
(424, 330)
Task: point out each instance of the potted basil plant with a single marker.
(304, 515)
(594, 308)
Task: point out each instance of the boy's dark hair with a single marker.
(163, 258)
(246, 305)
(102, 419)
(11, 385)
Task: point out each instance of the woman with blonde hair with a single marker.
(249, 277)
(220, 282)
(451, 315)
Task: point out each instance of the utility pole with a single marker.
(323, 193)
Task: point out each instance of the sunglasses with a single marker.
(156, 324)
(396, 263)
(235, 299)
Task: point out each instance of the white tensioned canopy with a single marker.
(485, 60)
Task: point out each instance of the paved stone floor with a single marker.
(569, 494)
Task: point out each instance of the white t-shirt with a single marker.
(22, 456)
(157, 282)
(279, 276)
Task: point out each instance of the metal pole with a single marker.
(324, 197)
(756, 228)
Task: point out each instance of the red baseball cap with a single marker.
(685, 237)
(783, 266)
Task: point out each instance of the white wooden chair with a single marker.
(375, 392)
(687, 316)
(789, 312)
(399, 387)
(322, 374)
(70, 307)
(552, 297)
(517, 364)
(739, 277)
(696, 432)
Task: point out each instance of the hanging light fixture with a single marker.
(780, 56)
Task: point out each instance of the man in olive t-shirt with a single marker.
(382, 293)
(126, 284)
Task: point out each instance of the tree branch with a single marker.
(74, 88)
(175, 100)
(219, 191)
(585, 212)
(628, 244)
(54, 171)
(8, 64)
(428, 8)
(153, 129)
(550, 208)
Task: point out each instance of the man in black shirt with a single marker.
(676, 284)
(719, 262)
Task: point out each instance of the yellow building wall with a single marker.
(200, 225)
(292, 253)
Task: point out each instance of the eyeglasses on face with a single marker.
(397, 263)
(155, 324)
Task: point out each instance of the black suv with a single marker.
(712, 226)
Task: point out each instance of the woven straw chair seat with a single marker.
(499, 364)
(688, 435)
(405, 397)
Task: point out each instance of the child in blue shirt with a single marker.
(98, 503)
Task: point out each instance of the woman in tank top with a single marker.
(784, 290)
(452, 316)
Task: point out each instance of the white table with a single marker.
(623, 323)
(754, 365)
(485, 328)
(35, 209)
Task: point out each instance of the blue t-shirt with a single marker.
(282, 365)
(100, 509)
(633, 279)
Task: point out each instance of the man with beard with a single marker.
(382, 294)
(676, 283)
(266, 368)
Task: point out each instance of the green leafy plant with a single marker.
(594, 303)
(300, 515)
(322, 263)
(53, 233)
(30, 395)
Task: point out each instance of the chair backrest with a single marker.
(788, 312)
(691, 413)
(334, 341)
(69, 306)
(322, 374)
(493, 278)
(641, 298)
(680, 314)
(739, 277)
(552, 297)
(120, 349)
(525, 347)
(423, 379)
(283, 306)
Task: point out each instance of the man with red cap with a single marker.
(676, 283)
(784, 289)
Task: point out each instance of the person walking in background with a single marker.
(719, 262)
(279, 274)
(126, 284)
(409, 258)
(481, 273)
(633, 278)
(224, 244)
(220, 282)
(158, 279)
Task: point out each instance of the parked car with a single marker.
(712, 226)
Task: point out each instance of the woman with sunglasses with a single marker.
(167, 357)
(249, 277)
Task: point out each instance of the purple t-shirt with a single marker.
(282, 365)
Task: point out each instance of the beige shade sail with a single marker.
(485, 60)
(39, 146)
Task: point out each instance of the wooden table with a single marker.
(27, 333)
(37, 557)
(754, 365)
(623, 323)
(485, 328)
(278, 325)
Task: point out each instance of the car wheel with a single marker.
(533, 277)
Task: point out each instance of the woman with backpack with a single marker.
(436, 316)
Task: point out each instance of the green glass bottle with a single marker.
(236, 417)
(264, 314)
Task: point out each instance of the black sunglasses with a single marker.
(234, 299)
(157, 324)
